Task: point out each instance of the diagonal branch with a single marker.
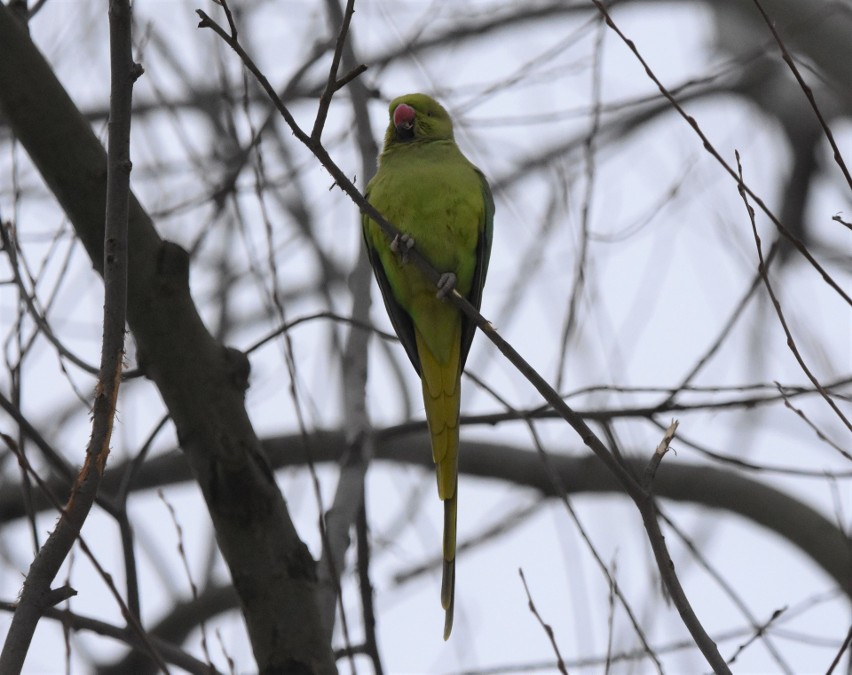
(788, 59)
(791, 343)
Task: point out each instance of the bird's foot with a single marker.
(402, 244)
(446, 284)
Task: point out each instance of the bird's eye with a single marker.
(428, 113)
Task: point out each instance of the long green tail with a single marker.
(441, 397)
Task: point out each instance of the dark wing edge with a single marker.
(483, 254)
(400, 320)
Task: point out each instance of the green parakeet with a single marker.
(441, 204)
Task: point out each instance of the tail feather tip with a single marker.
(448, 595)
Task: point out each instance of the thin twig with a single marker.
(560, 664)
(759, 632)
(578, 286)
(230, 17)
(837, 219)
(657, 457)
(125, 529)
(741, 464)
(825, 439)
(724, 332)
(9, 244)
(331, 85)
(843, 648)
(192, 587)
(350, 76)
(797, 243)
(366, 587)
(36, 593)
(788, 59)
(791, 343)
(610, 617)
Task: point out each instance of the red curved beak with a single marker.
(403, 118)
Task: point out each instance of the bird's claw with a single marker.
(446, 284)
(402, 244)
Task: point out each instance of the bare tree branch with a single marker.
(37, 595)
(788, 59)
(548, 629)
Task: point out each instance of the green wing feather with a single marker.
(400, 319)
(483, 255)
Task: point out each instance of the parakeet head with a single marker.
(417, 117)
